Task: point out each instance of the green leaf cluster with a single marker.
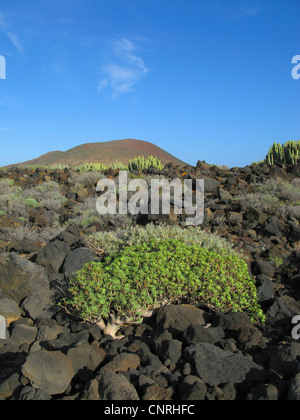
(151, 274)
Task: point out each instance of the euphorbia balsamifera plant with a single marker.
(139, 279)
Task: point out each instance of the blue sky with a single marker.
(205, 80)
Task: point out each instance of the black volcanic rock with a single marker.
(20, 278)
(53, 256)
(215, 366)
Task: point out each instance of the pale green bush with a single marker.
(111, 243)
(15, 202)
(31, 203)
(279, 196)
(19, 233)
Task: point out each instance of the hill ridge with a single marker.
(105, 152)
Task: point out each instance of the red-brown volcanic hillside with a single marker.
(106, 153)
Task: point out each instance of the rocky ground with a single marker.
(182, 352)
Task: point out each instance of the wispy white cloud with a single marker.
(126, 70)
(11, 36)
(15, 41)
(237, 9)
(248, 12)
(102, 85)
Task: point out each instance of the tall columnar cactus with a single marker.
(288, 153)
(142, 162)
(136, 164)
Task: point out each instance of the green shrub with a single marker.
(149, 275)
(15, 201)
(276, 196)
(47, 195)
(31, 202)
(7, 186)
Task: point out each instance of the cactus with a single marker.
(136, 164)
(98, 167)
(288, 154)
(142, 162)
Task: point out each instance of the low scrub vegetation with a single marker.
(276, 196)
(152, 273)
(21, 233)
(111, 243)
(14, 201)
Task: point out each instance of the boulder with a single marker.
(167, 349)
(123, 362)
(177, 319)
(265, 268)
(151, 361)
(50, 333)
(30, 394)
(192, 388)
(198, 334)
(255, 217)
(9, 310)
(85, 360)
(9, 386)
(39, 305)
(283, 308)
(172, 351)
(23, 334)
(52, 256)
(27, 246)
(272, 227)
(276, 172)
(265, 291)
(284, 358)
(71, 236)
(67, 340)
(234, 321)
(110, 386)
(156, 392)
(235, 218)
(51, 372)
(211, 185)
(20, 278)
(197, 392)
(77, 259)
(215, 366)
